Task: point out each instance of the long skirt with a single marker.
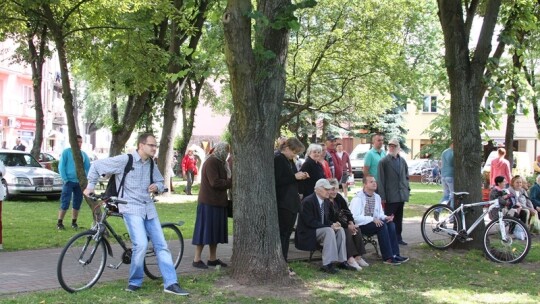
(210, 225)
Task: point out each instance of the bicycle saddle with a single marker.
(461, 194)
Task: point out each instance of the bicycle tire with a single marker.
(175, 243)
(424, 180)
(432, 226)
(74, 274)
(512, 250)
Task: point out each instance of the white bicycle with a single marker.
(506, 239)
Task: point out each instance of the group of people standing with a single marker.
(324, 219)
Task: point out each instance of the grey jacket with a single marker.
(393, 183)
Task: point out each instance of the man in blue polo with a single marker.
(374, 156)
(71, 188)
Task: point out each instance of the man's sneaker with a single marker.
(176, 289)
(392, 261)
(401, 259)
(436, 215)
(74, 226)
(60, 226)
(132, 288)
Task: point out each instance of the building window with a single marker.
(28, 95)
(430, 104)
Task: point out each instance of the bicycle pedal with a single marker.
(113, 266)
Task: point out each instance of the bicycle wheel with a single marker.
(425, 179)
(514, 248)
(175, 243)
(81, 262)
(439, 226)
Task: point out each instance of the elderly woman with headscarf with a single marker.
(211, 222)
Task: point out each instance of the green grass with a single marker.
(431, 276)
(31, 224)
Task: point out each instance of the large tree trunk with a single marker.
(258, 86)
(466, 90)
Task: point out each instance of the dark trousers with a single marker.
(189, 179)
(354, 243)
(286, 220)
(386, 235)
(397, 210)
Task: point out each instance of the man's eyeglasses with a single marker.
(151, 145)
(392, 145)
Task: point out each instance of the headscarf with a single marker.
(221, 151)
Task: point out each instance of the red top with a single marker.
(189, 163)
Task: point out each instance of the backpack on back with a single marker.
(113, 190)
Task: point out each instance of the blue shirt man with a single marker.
(140, 214)
(71, 188)
(447, 174)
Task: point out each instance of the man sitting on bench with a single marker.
(368, 214)
(314, 227)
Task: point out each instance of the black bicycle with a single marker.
(84, 257)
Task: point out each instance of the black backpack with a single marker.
(113, 190)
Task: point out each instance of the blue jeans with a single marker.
(448, 188)
(70, 189)
(386, 235)
(138, 228)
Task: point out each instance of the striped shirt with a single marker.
(135, 186)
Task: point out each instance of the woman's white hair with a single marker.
(313, 147)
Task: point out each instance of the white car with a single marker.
(26, 177)
(357, 159)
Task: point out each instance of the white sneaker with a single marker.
(352, 262)
(362, 262)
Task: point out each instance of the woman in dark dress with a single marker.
(211, 222)
(288, 198)
(313, 167)
(353, 236)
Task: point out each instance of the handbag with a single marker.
(229, 208)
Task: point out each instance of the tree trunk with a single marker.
(258, 86)
(123, 129)
(173, 101)
(465, 77)
(37, 58)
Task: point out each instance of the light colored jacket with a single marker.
(358, 206)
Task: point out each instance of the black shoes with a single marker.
(132, 288)
(74, 226)
(199, 264)
(216, 263)
(60, 226)
(401, 259)
(329, 269)
(176, 290)
(401, 242)
(346, 266)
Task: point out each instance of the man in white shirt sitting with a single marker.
(368, 214)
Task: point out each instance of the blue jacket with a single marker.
(66, 166)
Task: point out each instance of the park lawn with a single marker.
(30, 223)
(431, 276)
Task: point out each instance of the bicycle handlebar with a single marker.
(111, 199)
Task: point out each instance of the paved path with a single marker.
(35, 270)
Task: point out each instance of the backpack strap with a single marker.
(128, 168)
(151, 171)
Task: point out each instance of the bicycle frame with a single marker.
(492, 205)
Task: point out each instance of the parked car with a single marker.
(26, 177)
(417, 166)
(357, 159)
(46, 160)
